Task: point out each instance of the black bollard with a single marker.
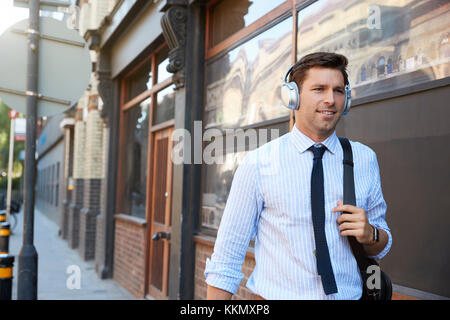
(6, 275)
(5, 232)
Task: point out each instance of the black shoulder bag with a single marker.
(364, 262)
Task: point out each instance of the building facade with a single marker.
(84, 162)
(181, 79)
(49, 181)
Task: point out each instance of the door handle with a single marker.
(161, 235)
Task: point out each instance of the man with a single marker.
(272, 196)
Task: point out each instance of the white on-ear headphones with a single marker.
(290, 94)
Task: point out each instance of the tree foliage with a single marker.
(5, 125)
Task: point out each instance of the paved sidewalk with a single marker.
(54, 259)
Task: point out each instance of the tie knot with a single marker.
(318, 151)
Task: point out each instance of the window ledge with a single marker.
(402, 91)
(134, 220)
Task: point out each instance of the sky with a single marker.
(9, 14)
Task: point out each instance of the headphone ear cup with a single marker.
(348, 99)
(290, 95)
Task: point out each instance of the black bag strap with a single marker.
(350, 198)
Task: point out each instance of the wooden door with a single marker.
(160, 217)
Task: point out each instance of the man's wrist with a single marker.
(375, 238)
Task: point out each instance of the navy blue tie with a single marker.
(324, 267)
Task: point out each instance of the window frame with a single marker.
(258, 26)
(209, 231)
(288, 8)
(272, 18)
(125, 105)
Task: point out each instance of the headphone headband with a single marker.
(290, 94)
(287, 73)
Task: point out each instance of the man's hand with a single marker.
(355, 223)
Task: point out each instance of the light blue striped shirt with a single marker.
(270, 199)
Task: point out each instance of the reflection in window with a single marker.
(57, 185)
(216, 187)
(165, 109)
(135, 157)
(444, 47)
(217, 177)
(401, 67)
(230, 16)
(139, 81)
(389, 66)
(368, 33)
(163, 62)
(381, 66)
(243, 86)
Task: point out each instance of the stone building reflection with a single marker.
(395, 41)
(243, 88)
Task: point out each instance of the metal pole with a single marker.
(10, 169)
(28, 257)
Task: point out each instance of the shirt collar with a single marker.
(303, 143)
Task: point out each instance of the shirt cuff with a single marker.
(386, 248)
(223, 278)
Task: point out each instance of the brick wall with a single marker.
(203, 250)
(79, 156)
(99, 245)
(94, 142)
(77, 194)
(93, 174)
(88, 218)
(73, 232)
(67, 172)
(129, 254)
(65, 217)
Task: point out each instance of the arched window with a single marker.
(444, 47)
(389, 66)
(381, 66)
(363, 74)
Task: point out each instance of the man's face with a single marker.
(322, 97)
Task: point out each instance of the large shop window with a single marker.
(148, 100)
(243, 103)
(165, 108)
(230, 16)
(217, 177)
(390, 44)
(243, 85)
(135, 154)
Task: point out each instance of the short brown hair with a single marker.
(318, 59)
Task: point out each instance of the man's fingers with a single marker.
(347, 218)
(350, 226)
(353, 232)
(346, 208)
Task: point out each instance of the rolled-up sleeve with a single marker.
(237, 227)
(377, 207)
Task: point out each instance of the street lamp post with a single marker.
(57, 93)
(28, 257)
